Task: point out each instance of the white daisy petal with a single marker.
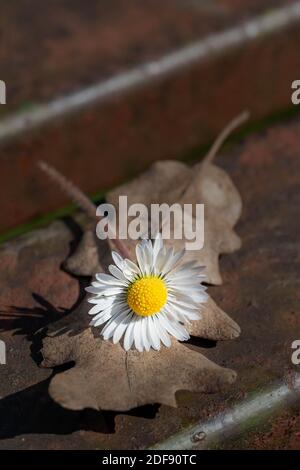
(100, 319)
(140, 258)
(176, 276)
(108, 313)
(184, 313)
(147, 250)
(192, 282)
(117, 273)
(163, 258)
(131, 265)
(145, 341)
(110, 327)
(172, 261)
(128, 338)
(95, 300)
(137, 332)
(92, 300)
(105, 291)
(157, 246)
(193, 316)
(102, 303)
(118, 260)
(121, 328)
(172, 300)
(96, 309)
(189, 295)
(104, 278)
(152, 334)
(174, 328)
(144, 256)
(92, 290)
(175, 313)
(164, 337)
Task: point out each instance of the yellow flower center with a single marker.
(147, 295)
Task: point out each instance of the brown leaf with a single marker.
(170, 182)
(173, 182)
(105, 376)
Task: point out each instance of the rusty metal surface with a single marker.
(283, 432)
(109, 142)
(260, 291)
(243, 417)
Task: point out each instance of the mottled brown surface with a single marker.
(260, 291)
(104, 145)
(279, 433)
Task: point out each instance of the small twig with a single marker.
(81, 200)
(231, 126)
(70, 189)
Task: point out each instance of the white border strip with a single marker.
(229, 424)
(213, 44)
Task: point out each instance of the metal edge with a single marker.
(244, 416)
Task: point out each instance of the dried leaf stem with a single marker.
(81, 200)
(231, 126)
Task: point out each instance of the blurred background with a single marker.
(102, 88)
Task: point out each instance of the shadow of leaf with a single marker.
(32, 411)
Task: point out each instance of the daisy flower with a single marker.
(148, 301)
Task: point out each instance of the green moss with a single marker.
(44, 220)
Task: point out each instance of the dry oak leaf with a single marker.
(105, 376)
(175, 182)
